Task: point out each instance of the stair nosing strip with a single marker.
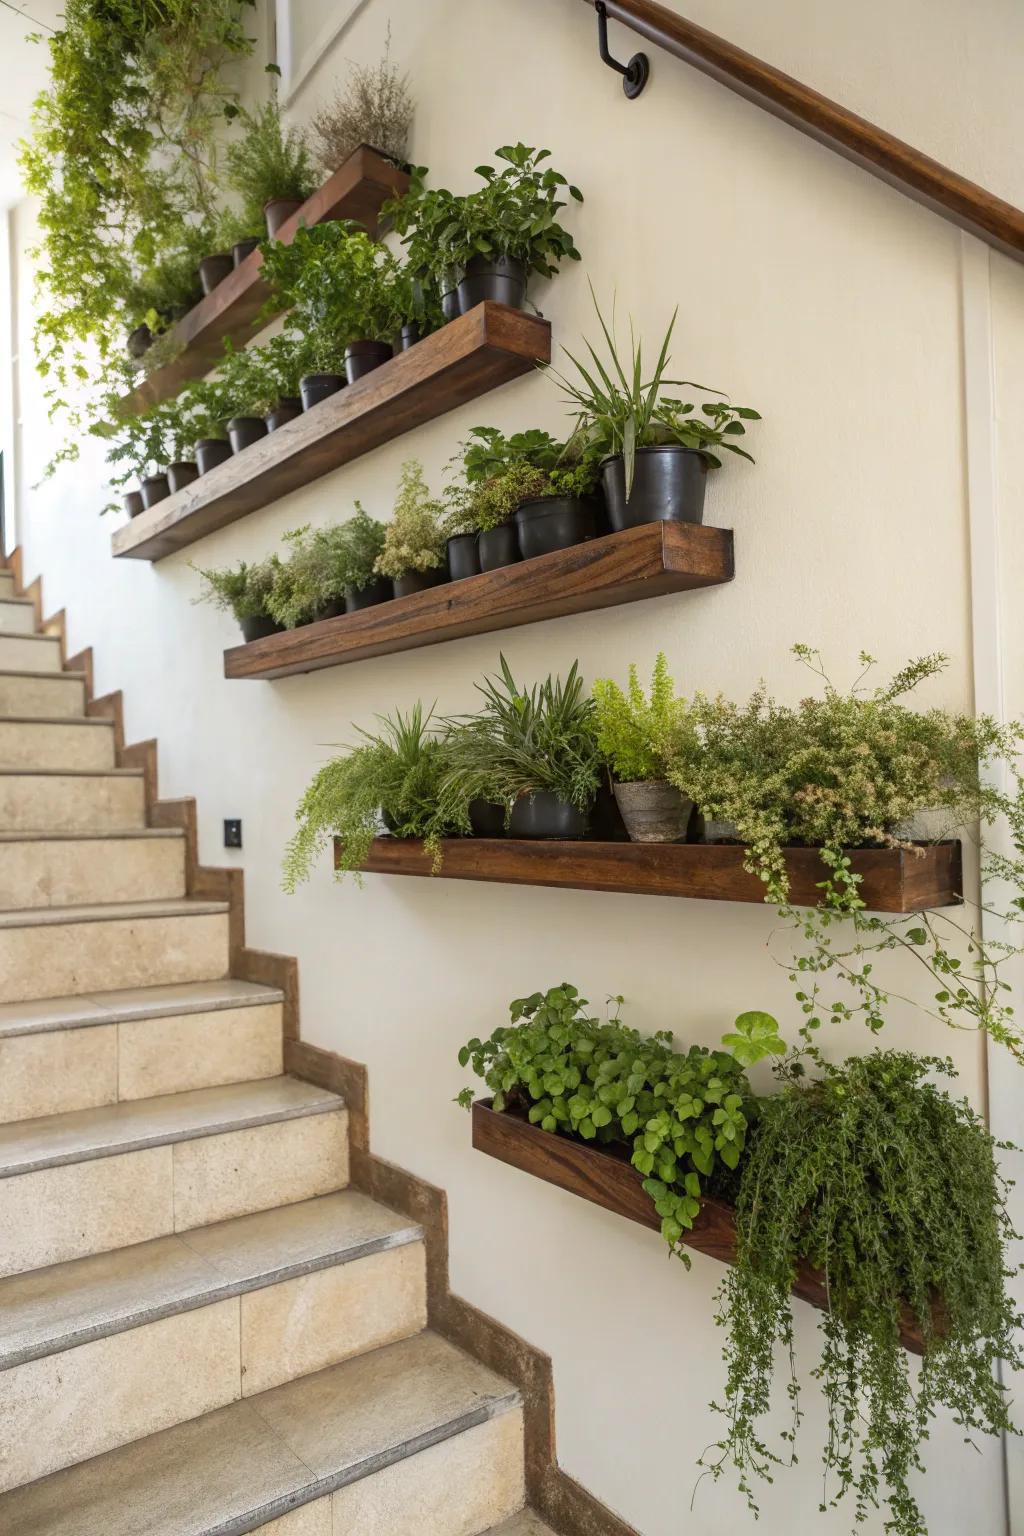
(52, 639)
(72, 773)
(22, 602)
(59, 917)
(92, 720)
(173, 1010)
(62, 676)
(331, 1105)
(121, 834)
(219, 1289)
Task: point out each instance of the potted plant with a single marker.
(245, 591)
(310, 581)
(630, 731)
(143, 449)
(375, 108)
(413, 555)
(312, 276)
(362, 544)
(421, 216)
(206, 404)
(270, 168)
(655, 451)
(251, 385)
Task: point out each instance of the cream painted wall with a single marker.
(833, 305)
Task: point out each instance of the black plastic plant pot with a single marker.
(545, 815)
(450, 306)
(463, 556)
(379, 591)
(286, 410)
(214, 269)
(498, 546)
(182, 473)
(278, 211)
(154, 488)
(486, 818)
(498, 278)
(362, 357)
(133, 503)
(139, 341)
(332, 610)
(243, 248)
(408, 336)
(419, 581)
(258, 628)
(243, 431)
(554, 522)
(211, 451)
(668, 487)
(317, 386)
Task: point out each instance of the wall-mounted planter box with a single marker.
(355, 191)
(458, 363)
(894, 880)
(605, 1177)
(621, 568)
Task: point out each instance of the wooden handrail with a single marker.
(962, 202)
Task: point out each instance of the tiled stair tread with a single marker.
(134, 1003)
(108, 912)
(117, 835)
(50, 639)
(6, 596)
(242, 1466)
(71, 773)
(75, 677)
(524, 1524)
(53, 1140)
(65, 1305)
(89, 720)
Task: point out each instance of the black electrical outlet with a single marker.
(232, 833)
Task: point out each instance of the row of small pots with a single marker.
(214, 269)
(653, 812)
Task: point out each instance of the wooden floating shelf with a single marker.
(355, 191)
(894, 879)
(605, 1177)
(621, 568)
(458, 363)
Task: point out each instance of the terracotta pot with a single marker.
(654, 812)
(278, 211)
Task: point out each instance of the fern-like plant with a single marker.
(631, 727)
(268, 161)
(244, 590)
(413, 540)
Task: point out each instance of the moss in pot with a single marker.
(413, 554)
(630, 726)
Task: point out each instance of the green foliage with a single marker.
(890, 1188)
(683, 1115)
(253, 380)
(413, 539)
(362, 545)
(376, 108)
(501, 473)
(268, 161)
(618, 409)
(394, 773)
(310, 576)
(631, 727)
(243, 590)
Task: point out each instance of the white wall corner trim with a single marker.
(296, 67)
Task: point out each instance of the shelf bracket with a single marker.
(636, 73)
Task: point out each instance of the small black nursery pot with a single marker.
(182, 473)
(284, 411)
(498, 278)
(554, 522)
(419, 581)
(133, 503)
(278, 211)
(486, 818)
(668, 487)
(243, 248)
(139, 341)
(214, 269)
(258, 628)
(154, 488)
(499, 546)
(463, 556)
(544, 815)
(363, 357)
(379, 591)
(317, 386)
(408, 336)
(211, 451)
(243, 431)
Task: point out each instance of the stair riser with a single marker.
(51, 873)
(24, 745)
(15, 618)
(42, 698)
(69, 1069)
(70, 959)
(110, 1202)
(66, 1407)
(31, 803)
(6, 584)
(20, 653)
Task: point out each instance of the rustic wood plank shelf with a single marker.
(454, 365)
(355, 191)
(894, 880)
(620, 568)
(605, 1177)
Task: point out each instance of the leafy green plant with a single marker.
(501, 473)
(362, 542)
(243, 590)
(413, 539)
(256, 379)
(393, 774)
(890, 1188)
(375, 107)
(268, 161)
(631, 726)
(311, 576)
(619, 409)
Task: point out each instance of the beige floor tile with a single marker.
(65, 803)
(16, 617)
(321, 1319)
(197, 1050)
(51, 1073)
(55, 746)
(21, 653)
(55, 872)
(62, 959)
(311, 1520)
(46, 698)
(68, 1407)
(222, 1176)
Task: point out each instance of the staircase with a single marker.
(203, 1332)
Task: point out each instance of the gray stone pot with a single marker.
(654, 812)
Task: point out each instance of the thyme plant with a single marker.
(375, 107)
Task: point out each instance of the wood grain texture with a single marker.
(355, 191)
(946, 193)
(621, 568)
(458, 363)
(605, 1177)
(894, 879)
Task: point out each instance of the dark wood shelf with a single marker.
(458, 363)
(605, 1177)
(355, 191)
(621, 568)
(894, 879)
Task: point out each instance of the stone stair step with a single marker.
(526, 1523)
(214, 1315)
(410, 1439)
(87, 869)
(47, 950)
(7, 583)
(41, 695)
(83, 744)
(29, 653)
(94, 1180)
(17, 614)
(131, 1003)
(66, 800)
